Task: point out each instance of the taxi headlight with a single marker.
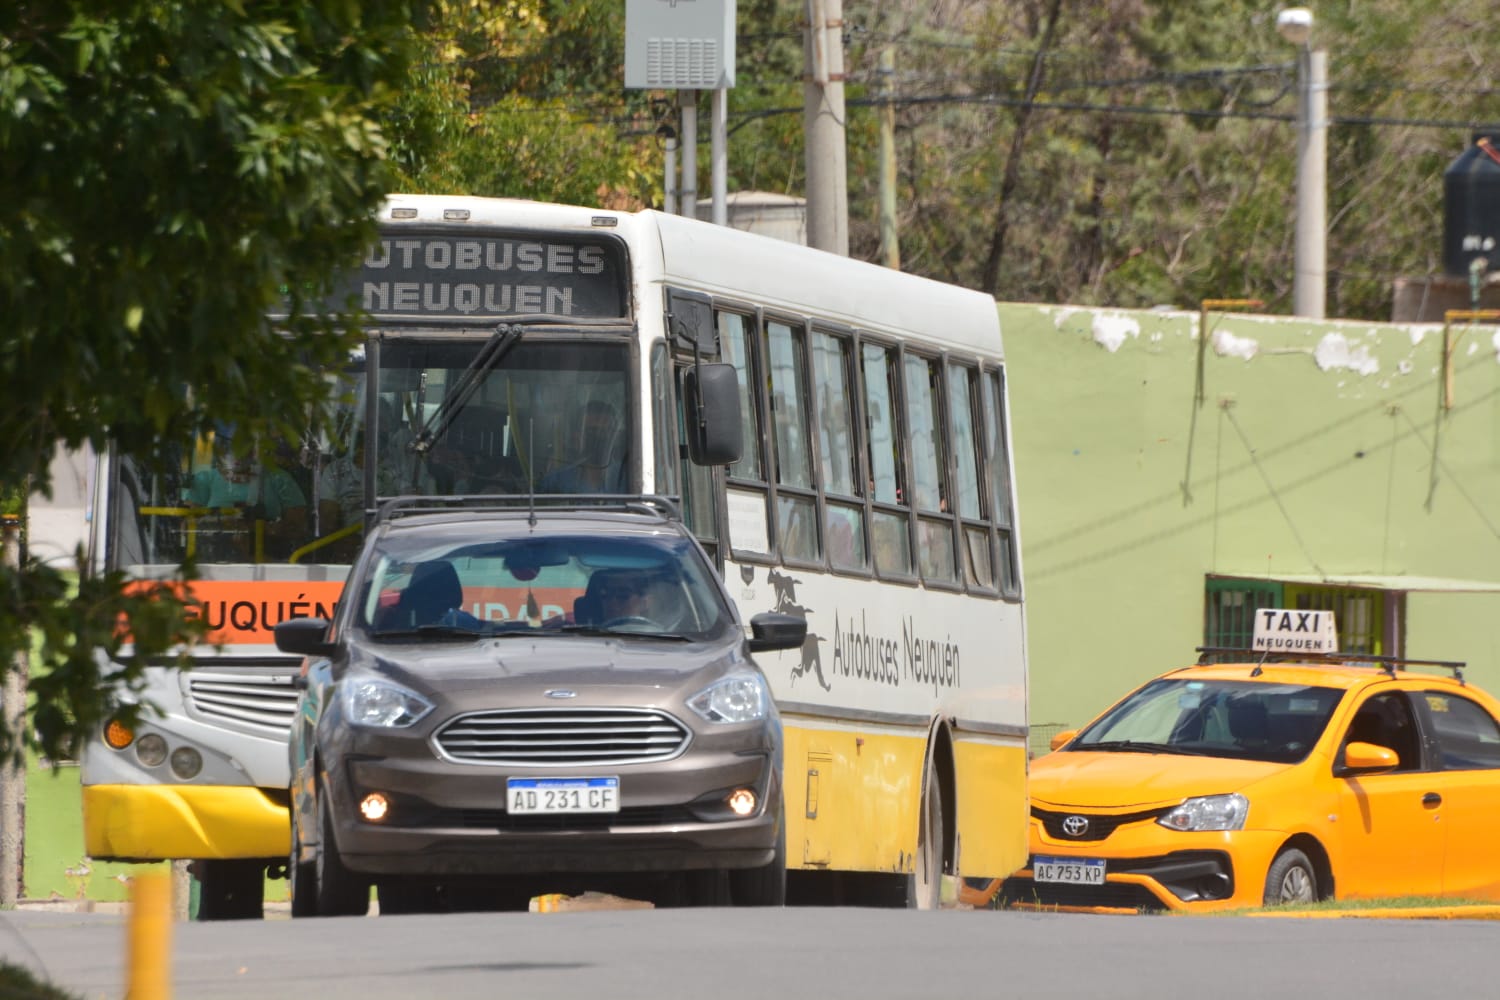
(379, 703)
(1207, 813)
(739, 697)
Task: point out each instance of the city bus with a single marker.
(836, 432)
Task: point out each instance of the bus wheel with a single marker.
(924, 886)
(763, 886)
(230, 890)
(341, 893)
(302, 877)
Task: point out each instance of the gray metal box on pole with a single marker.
(672, 45)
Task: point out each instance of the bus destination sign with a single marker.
(452, 276)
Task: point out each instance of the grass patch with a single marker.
(18, 984)
(1360, 905)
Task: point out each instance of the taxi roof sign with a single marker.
(1286, 630)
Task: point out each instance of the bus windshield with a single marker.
(545, 415)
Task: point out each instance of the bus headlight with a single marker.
(382, 704)
(1208, 813)
(151, 749)
(739, 697)
(186, 762)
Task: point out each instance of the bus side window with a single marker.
(838, 461)
(925, 423)
(796, 501)
(968, 459)
(888, 524)
(748, 492)
(999, 458)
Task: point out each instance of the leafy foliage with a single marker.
(170, 172)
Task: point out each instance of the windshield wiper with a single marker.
(580, 629)
(505, 337)
(432, 631)
(1142, 746)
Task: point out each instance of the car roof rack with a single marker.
(665, 507)
(1387, 663)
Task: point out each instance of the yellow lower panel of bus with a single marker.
(852, 801)
(183, 821)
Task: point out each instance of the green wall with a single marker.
(1311, 454)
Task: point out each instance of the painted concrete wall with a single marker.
(1318, 448)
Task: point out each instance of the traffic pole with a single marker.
(150, 931)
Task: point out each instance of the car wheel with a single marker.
(230, 890)
(302, 877)
(1291, 879)
(341, 893)
(924, 886)
(763, 886)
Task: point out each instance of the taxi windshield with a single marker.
(1215, 718)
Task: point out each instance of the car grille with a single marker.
(1117, 895)
(1100, 827)
(563, 736)
(250, 697)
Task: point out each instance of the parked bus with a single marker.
(837, 433)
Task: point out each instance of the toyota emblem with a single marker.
(1075, 826)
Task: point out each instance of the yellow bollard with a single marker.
(150, 959)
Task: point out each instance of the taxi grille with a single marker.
(585, 736)
(1100, 827)
(248, 698)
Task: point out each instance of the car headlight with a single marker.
(740, 697)
(1209, 812)
(379, 703)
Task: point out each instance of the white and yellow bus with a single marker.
(837, 432)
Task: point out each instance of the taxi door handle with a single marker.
(1432, 799)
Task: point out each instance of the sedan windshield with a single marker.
(1214, 718)
(587, 584)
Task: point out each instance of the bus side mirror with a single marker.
(711, 414)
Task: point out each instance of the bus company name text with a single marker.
(486, 255)
(437, 276)
(464, 297)
(255, 616)
(882, 659)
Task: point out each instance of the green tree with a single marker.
(170, 171)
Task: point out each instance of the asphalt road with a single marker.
(826, 953)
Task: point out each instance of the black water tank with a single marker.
(1471, 205)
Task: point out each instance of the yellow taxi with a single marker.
(1295, 774)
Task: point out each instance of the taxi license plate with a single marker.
(551, 796)
(1070, 871)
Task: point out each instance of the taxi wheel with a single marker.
(341, 893)
(1291, 879)
(301, 876)
(924, 886)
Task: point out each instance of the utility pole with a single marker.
(13, 718)
(890, 249)
(823, 126)
(1310, 267)
(687, 191)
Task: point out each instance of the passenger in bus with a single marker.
(258, 493)
(600, 466)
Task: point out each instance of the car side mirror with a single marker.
(711, 414)
(773, 630)
(304, 637)
(1058, 739)
(1367, 758)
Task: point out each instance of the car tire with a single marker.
(763, 886)
(230, 889)
(1291, 879)
(301, 877)
(341, 893)
(924, 886)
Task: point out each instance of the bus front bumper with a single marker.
(157, 822)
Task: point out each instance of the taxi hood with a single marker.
(1110, 780)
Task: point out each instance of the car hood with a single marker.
(1115, 780)
(582, 664)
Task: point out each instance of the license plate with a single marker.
(549, 796)
(1072, 871)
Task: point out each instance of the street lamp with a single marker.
(1309, 287)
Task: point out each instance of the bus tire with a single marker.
(763, 886)
(230, 889)
(924, 886)
(340, 892)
